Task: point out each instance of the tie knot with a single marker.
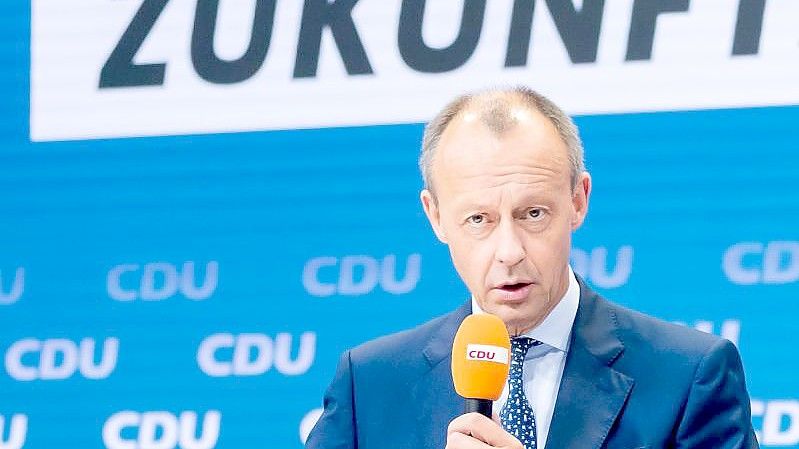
(520, 345)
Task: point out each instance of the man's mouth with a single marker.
(514, 287)
(514, 291)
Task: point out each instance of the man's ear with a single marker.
(580, 197)
(431, 210)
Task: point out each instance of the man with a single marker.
(505, 187)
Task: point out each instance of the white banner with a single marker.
(117, 68)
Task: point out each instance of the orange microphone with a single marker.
(480, 361)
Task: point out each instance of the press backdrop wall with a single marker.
(204, 203)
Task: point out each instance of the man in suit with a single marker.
(505, 187)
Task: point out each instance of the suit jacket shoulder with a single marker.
(407, 349)
(638, 381)
(394, 391)
(660, 336)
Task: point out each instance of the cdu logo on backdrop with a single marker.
(749, 263)
(780, 421)
(360, 275)
(222, 355)
(157, 281)
(57, 358)
(17, 431)
(15, 289)
(161, 430)
(593, 265)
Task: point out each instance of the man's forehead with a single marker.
(498, 116)
(514, 194)
(469, 147)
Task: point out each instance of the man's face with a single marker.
(505, 207)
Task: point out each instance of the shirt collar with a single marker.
(555, 330)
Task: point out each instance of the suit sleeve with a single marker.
(717, 411)
(336, 427)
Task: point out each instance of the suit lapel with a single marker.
(592, 393)
(439, 404)
(434, 391)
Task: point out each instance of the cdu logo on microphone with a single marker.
(487, 353)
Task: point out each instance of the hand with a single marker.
(474, 431)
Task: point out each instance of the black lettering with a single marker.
(643, 23)
(215, 70)
(337, 15)
(579, 31)
(119, 70)
(748, 27)
(422, 58)
(521, 24)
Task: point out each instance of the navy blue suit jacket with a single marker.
(630, 381)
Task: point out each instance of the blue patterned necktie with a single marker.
(517, 416)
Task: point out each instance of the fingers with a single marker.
(462, 441)
(473, 431)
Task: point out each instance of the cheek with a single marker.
(548, 250)
(472, 259)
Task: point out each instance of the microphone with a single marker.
(480, 361)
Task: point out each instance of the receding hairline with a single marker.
(496, 109)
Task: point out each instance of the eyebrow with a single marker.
(526, 200)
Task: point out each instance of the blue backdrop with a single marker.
(149, 285)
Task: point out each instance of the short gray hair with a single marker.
(495, 105)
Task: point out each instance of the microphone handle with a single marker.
(481, 406)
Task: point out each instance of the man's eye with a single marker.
(476, 219)
(536, 213)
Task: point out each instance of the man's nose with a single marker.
(510, 249)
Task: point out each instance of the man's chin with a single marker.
(517, 316)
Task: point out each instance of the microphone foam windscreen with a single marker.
(480, 357)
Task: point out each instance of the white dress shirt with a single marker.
(543, 366)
